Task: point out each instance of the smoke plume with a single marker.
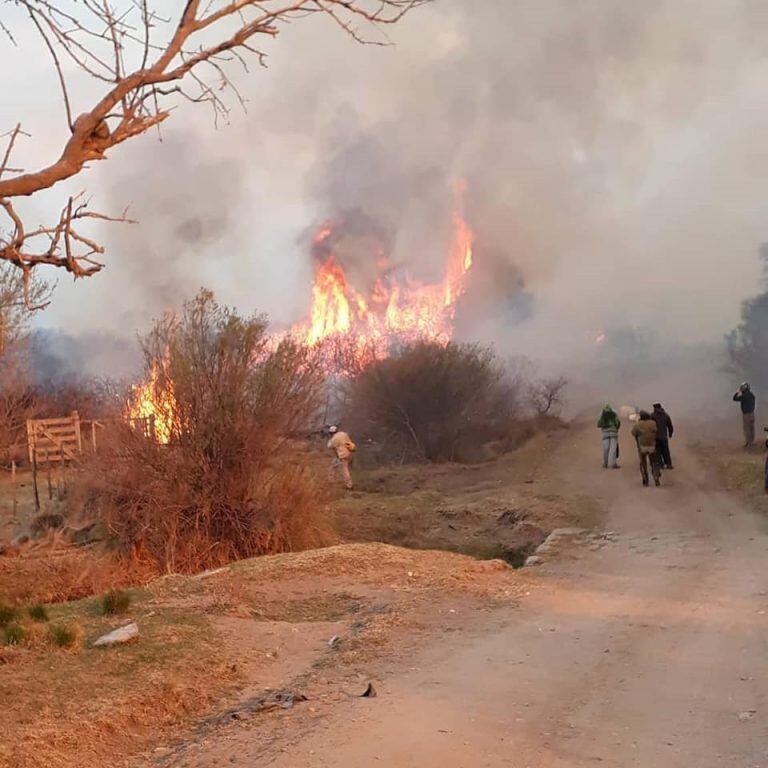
(612, 154)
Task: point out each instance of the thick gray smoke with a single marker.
(612, 152)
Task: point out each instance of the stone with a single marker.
(118, 636)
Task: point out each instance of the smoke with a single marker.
(606, 149)
(612, 153)
(58, 358)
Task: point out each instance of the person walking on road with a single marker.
(644, 433)
(746, 398)
(609, 423)
(664, 430)
(342, 446)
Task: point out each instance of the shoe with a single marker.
(657, 481)
(669, 467)
(645, 483)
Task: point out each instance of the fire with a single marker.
(393, 306)
(154, 406)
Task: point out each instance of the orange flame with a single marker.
(395, 306)
(154, 406)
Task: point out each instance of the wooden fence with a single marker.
(54, 440)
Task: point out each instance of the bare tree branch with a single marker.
(145, 61)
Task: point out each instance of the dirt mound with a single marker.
(267, 620)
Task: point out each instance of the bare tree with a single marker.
(147, 65)
(17, 401)
(547, 395)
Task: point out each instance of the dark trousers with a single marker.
(662, 452)
(653, 460)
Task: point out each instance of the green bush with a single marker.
(8, 614)
(65, 635)
(115, 601)
(38, 612)
(15, 634)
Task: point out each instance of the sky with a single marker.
(613, 153)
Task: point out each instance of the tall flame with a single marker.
(154, 406)
(395, 306)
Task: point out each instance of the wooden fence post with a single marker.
(48, 471)
(34, 479)
(13, 479)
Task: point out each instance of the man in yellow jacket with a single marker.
(644, 432)
(342, 446)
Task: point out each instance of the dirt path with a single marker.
(648, 652)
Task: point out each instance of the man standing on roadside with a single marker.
(664, 431)
(746, 398)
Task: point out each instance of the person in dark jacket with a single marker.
(664, 430)
(609, 425)
(746, 398)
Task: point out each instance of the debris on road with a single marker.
(369, 693)
(271, 701)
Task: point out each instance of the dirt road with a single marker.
(650, 651)
(647, 648)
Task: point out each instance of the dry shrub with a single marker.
(437, 402)
(227, 484)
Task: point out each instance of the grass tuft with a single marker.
(8, 614)
(15, 634)
(115, 601)
(38, 612)
(65, 635)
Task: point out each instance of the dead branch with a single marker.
(145, 62)
(61, 245)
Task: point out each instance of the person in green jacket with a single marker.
(609, 423)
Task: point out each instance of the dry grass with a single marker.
(63, 572)
(82, 706)
(737, 470)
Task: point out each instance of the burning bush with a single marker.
(438, 401)
(222, 482)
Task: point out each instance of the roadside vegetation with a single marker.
(737, 471)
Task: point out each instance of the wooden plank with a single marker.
(43, 437)
(69, 422)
